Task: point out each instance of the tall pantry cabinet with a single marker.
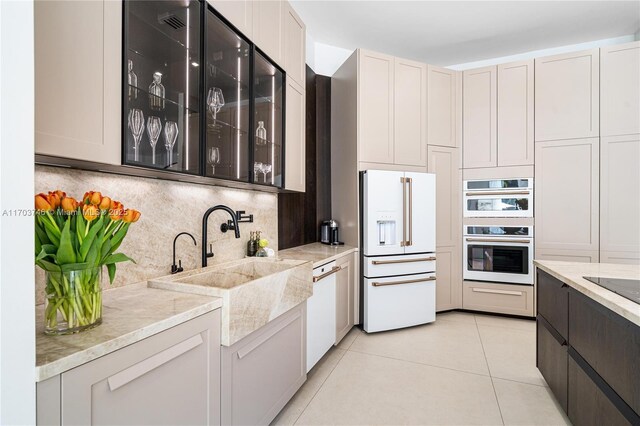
(567, 157)
(444, 110)
(620, 153)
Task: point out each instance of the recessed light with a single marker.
(195, 64)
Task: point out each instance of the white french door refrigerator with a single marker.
(398, 249)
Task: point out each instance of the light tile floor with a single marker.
(464, 369)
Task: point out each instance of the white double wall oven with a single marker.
(497, 247)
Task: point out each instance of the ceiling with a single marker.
(453, 32)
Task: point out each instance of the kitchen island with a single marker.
(588, 341)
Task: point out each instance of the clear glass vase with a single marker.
(73, 301)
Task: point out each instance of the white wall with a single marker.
(17, 323)
(543, 52)
(325, 59)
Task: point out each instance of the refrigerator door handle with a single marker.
(404, 212)
(421, 280)
(410, 241)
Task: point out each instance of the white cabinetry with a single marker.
(345, 295)
(410, 113)
(515, 114)
(172, 377)
(442, 104)
(268, 17)
(294, 45)
(567, 96)
(238, 12)
(294, 177)
(78, 79)
(479, 127)
(620, 89)
(566, 197)
(321, 313)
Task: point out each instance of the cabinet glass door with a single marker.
(161, 114)
(268, 95)
(227, 83)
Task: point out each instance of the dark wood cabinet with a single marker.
(609, 343)
(553, 302)
(551, 359)
(588, 404)
(588, 354)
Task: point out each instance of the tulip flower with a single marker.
(92, 197)
(54, 198)
(42, 203)
(90, 212)
(105, 203)
(131, 216)
(69, 204)
(116, 211)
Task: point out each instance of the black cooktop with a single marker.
(629, 289)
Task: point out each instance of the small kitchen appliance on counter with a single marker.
(329, 233)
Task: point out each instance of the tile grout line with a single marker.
(321, 385)
(495, 393)
(420, 363)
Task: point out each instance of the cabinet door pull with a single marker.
(143, 367)
(421, 280)
(326, 274)
(488, 290)
(256, 343)
(389, 262)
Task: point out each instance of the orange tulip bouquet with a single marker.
(74, 240)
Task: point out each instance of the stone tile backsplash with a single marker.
(167, 208)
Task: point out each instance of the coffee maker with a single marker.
(329, 233)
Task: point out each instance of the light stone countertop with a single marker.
(254, 291)
(130, 314)
(571, 273)
(317, 253)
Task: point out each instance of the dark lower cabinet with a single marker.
(588, 354)
(553, 302)
(588, 404)
(609, 343)
(551, 360)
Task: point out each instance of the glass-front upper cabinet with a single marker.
(268, 124)
(161, 113)
(227, 88)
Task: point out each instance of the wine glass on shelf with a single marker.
(170, 136)
(136, 125)
(266, 169)
(154, 128)
(213, 158)
(257, 168)
(215, 101)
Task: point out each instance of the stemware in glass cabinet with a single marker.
(268, 95)
(162, 41)
(227, 79)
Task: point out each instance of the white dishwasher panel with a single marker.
(321, 315)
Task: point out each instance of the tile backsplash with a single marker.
(167, 208)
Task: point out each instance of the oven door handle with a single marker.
(490, 240)
(477, 194)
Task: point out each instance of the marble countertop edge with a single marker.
(318, 253)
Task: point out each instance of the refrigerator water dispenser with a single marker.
(386, 232)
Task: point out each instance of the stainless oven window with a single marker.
(497, 204)
(498, 230)
(497, 258)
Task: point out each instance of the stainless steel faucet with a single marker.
(205, 218)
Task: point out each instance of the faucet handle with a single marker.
(210, 254)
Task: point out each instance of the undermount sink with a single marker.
(254, 291)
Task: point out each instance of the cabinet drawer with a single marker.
(382, 266)
(553, 302)
(609, 343)
(588, 405)
(261, 372)
(551, 359)
(499, 298)
(170, 378)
